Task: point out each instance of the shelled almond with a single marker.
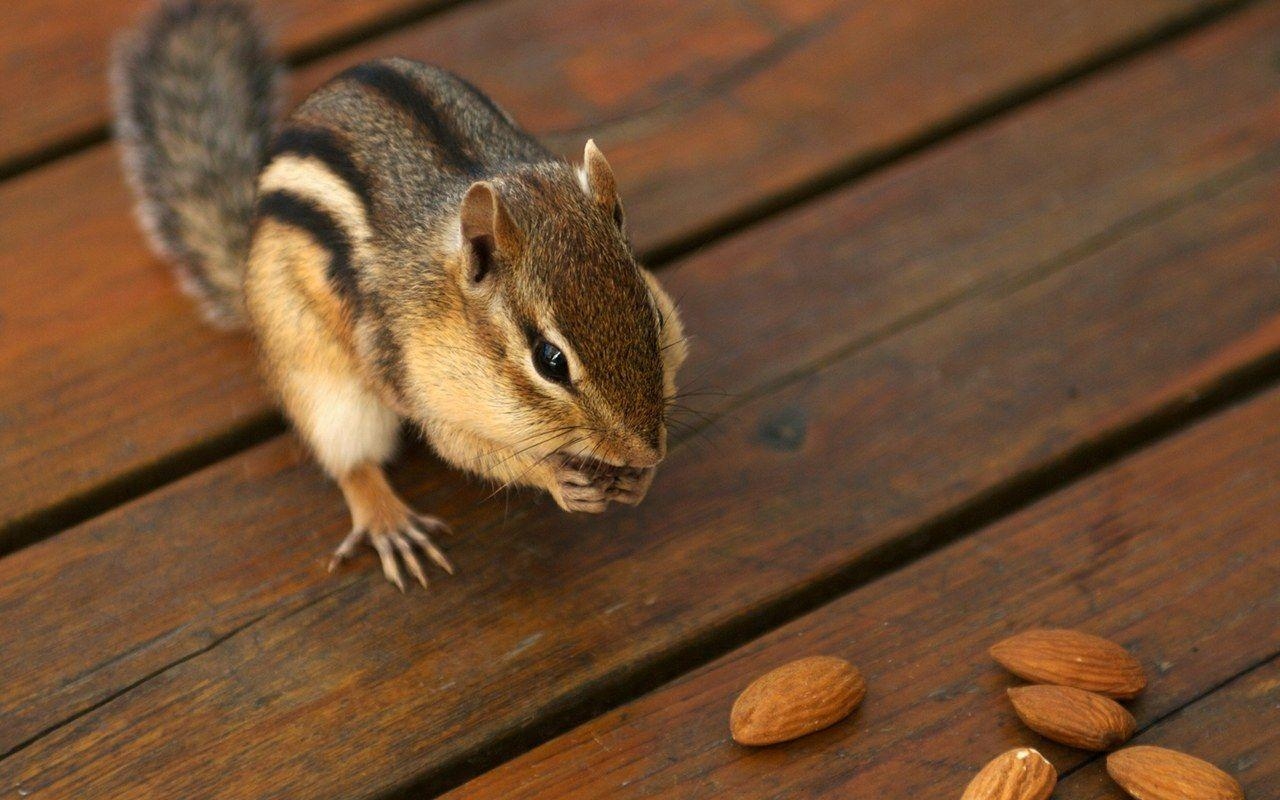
(1071, 658)
(796, 699)
(1072, 716)
(1019, 774)
(1155, 773)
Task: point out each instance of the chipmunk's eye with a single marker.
(550, 362)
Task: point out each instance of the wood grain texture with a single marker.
(254, 670)
(54, 56)
(1171, 552)
(744, 102)
(1234, 728)
(111, 373)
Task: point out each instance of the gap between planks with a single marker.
(1241, 674)
(175, 466)
(976, 116)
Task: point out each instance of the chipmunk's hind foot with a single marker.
(407, 542)
(381, 518)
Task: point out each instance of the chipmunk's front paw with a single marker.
(406, 536)
(631, 485)
(590, 486)
(578, 488)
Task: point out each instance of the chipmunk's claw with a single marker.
(346, 549)
(409, 541)
(390, 568)
(424, 525)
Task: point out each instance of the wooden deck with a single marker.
(985, 301)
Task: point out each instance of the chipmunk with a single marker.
(401, 250)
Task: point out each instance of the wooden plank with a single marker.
(925, 411)
(94, 392)
(54, 55)
(1171, 552)
(1234, 728)
(777, 95)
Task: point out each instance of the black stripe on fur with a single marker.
(401, 91)
(324, 229)
(328, 148)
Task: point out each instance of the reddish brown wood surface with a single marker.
(210, 596)
(54, 54)
(1172, 553)
(746, 101)
(111, 374)
(1235, 728)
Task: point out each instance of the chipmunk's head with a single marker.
(579, 343)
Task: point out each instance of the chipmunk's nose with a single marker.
(646, 451)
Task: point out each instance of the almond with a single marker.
(1021, 774)
(795, 699)
(1154, 773)
(1071, 658)
(1073, 716)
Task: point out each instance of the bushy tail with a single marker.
(195, 92)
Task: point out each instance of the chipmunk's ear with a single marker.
(488, 232)
(598, 181)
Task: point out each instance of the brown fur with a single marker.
(410, 245)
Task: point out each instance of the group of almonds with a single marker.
(1076, 680)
